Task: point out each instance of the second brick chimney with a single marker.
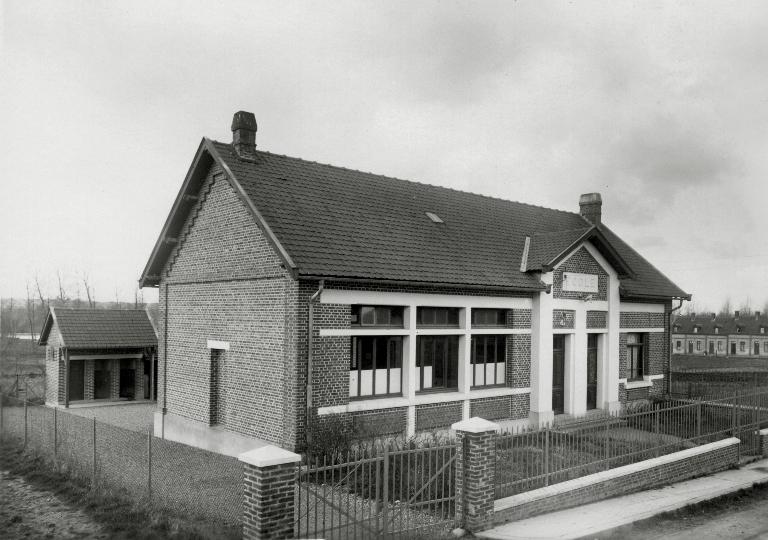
(590, 207)
(244, 134)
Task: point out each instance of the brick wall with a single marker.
(383, 422)
(224, 282)
(518, 361)
(54, 376)
(491, 408)
(437, 415)
(597, 319)
(581, 262)
(519, 318)
(561, 496)
(632, 319)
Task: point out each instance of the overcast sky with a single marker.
(661, 107)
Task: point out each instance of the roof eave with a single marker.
(452, 285)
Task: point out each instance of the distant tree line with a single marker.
(727, 308)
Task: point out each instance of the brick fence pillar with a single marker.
(475, 472)
(269, 482)
(764, 441)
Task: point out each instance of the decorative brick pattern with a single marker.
(521, 406)
(635, 394)
(438, 415)
(632, 319)
(475, 478)
(716, 460)
(491, 408)
(518, 361)
(563, 318)
(269, 501)
(519, 318)
(581, 262)
(597, 319)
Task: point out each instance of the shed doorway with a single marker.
(76, 380)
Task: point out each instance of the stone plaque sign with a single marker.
(575, 282)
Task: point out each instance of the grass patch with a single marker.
(119, 515)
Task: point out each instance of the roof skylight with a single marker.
(434, 217)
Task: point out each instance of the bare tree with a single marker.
(138, 298)
(746, 307)
(31, 314)
(43, 302)
(725, 309)
(63, 299)
(117, 300)
(88, 291)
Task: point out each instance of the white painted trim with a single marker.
(221, 345)
(104, 356)
(610, 474)
(653, 377)
(631, 307)
(597, 330)
(563, 330)
(763, 432)
(640, 330)
(629, 385)
(336, 332)
(337, 296)
(476, 425)
(268, 456)
(419, 399)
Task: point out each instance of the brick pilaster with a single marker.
(475, 472)
(269, 483)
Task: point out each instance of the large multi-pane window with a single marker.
(437, 362)
(382, 316)
(636, 356)
(376, 366)
(437, 316)
(488, 360)
(483, 317)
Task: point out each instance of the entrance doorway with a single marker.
(127, 379)
(558, 373)
(102, 379)
(76, 380)
(591, 371)
(150, 392)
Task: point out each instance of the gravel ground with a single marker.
(27, 512)
(135, 416)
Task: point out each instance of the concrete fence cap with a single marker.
(268, 456)
(475, 425)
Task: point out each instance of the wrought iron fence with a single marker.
(183, 479)
(378, 492)
(530, 459)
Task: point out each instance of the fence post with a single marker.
(149, 465)
(698, 420)
(657, 431)
(93, 470)
(475, 472)
(269, 484)
(55, 436)
(546, 456)
(385, 496)
(25, 421)
(607, 446)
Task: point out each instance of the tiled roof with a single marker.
(336, 222)
(546, 246)
(101, 328)
(727, 324)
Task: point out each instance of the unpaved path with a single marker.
(743, 519)
(28, 512)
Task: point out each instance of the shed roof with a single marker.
(100, 328)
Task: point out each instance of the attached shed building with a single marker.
(99, 355)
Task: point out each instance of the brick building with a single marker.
(710, 334)
(98, 355)
(294, 292)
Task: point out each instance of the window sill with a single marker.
(375, 398)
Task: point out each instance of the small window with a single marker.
(678, 344)
(717, 330)
(762, 329)
(742, 346)
(698, 344)
(489, 317)
(382, 316)
(695, 329)
(719, 345)
(738, 329)
(636, 356)
(437, 316)
(765, 347)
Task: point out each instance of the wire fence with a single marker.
(169, 475)
(530, 459)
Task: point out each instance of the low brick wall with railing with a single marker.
(683, 465)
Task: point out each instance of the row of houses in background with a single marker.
(721, 335)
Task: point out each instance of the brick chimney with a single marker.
(244, 134)
(590, 207)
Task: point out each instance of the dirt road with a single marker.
(743, 517)
(27, 512)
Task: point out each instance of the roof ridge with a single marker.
(396, 178)
(563, 230)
